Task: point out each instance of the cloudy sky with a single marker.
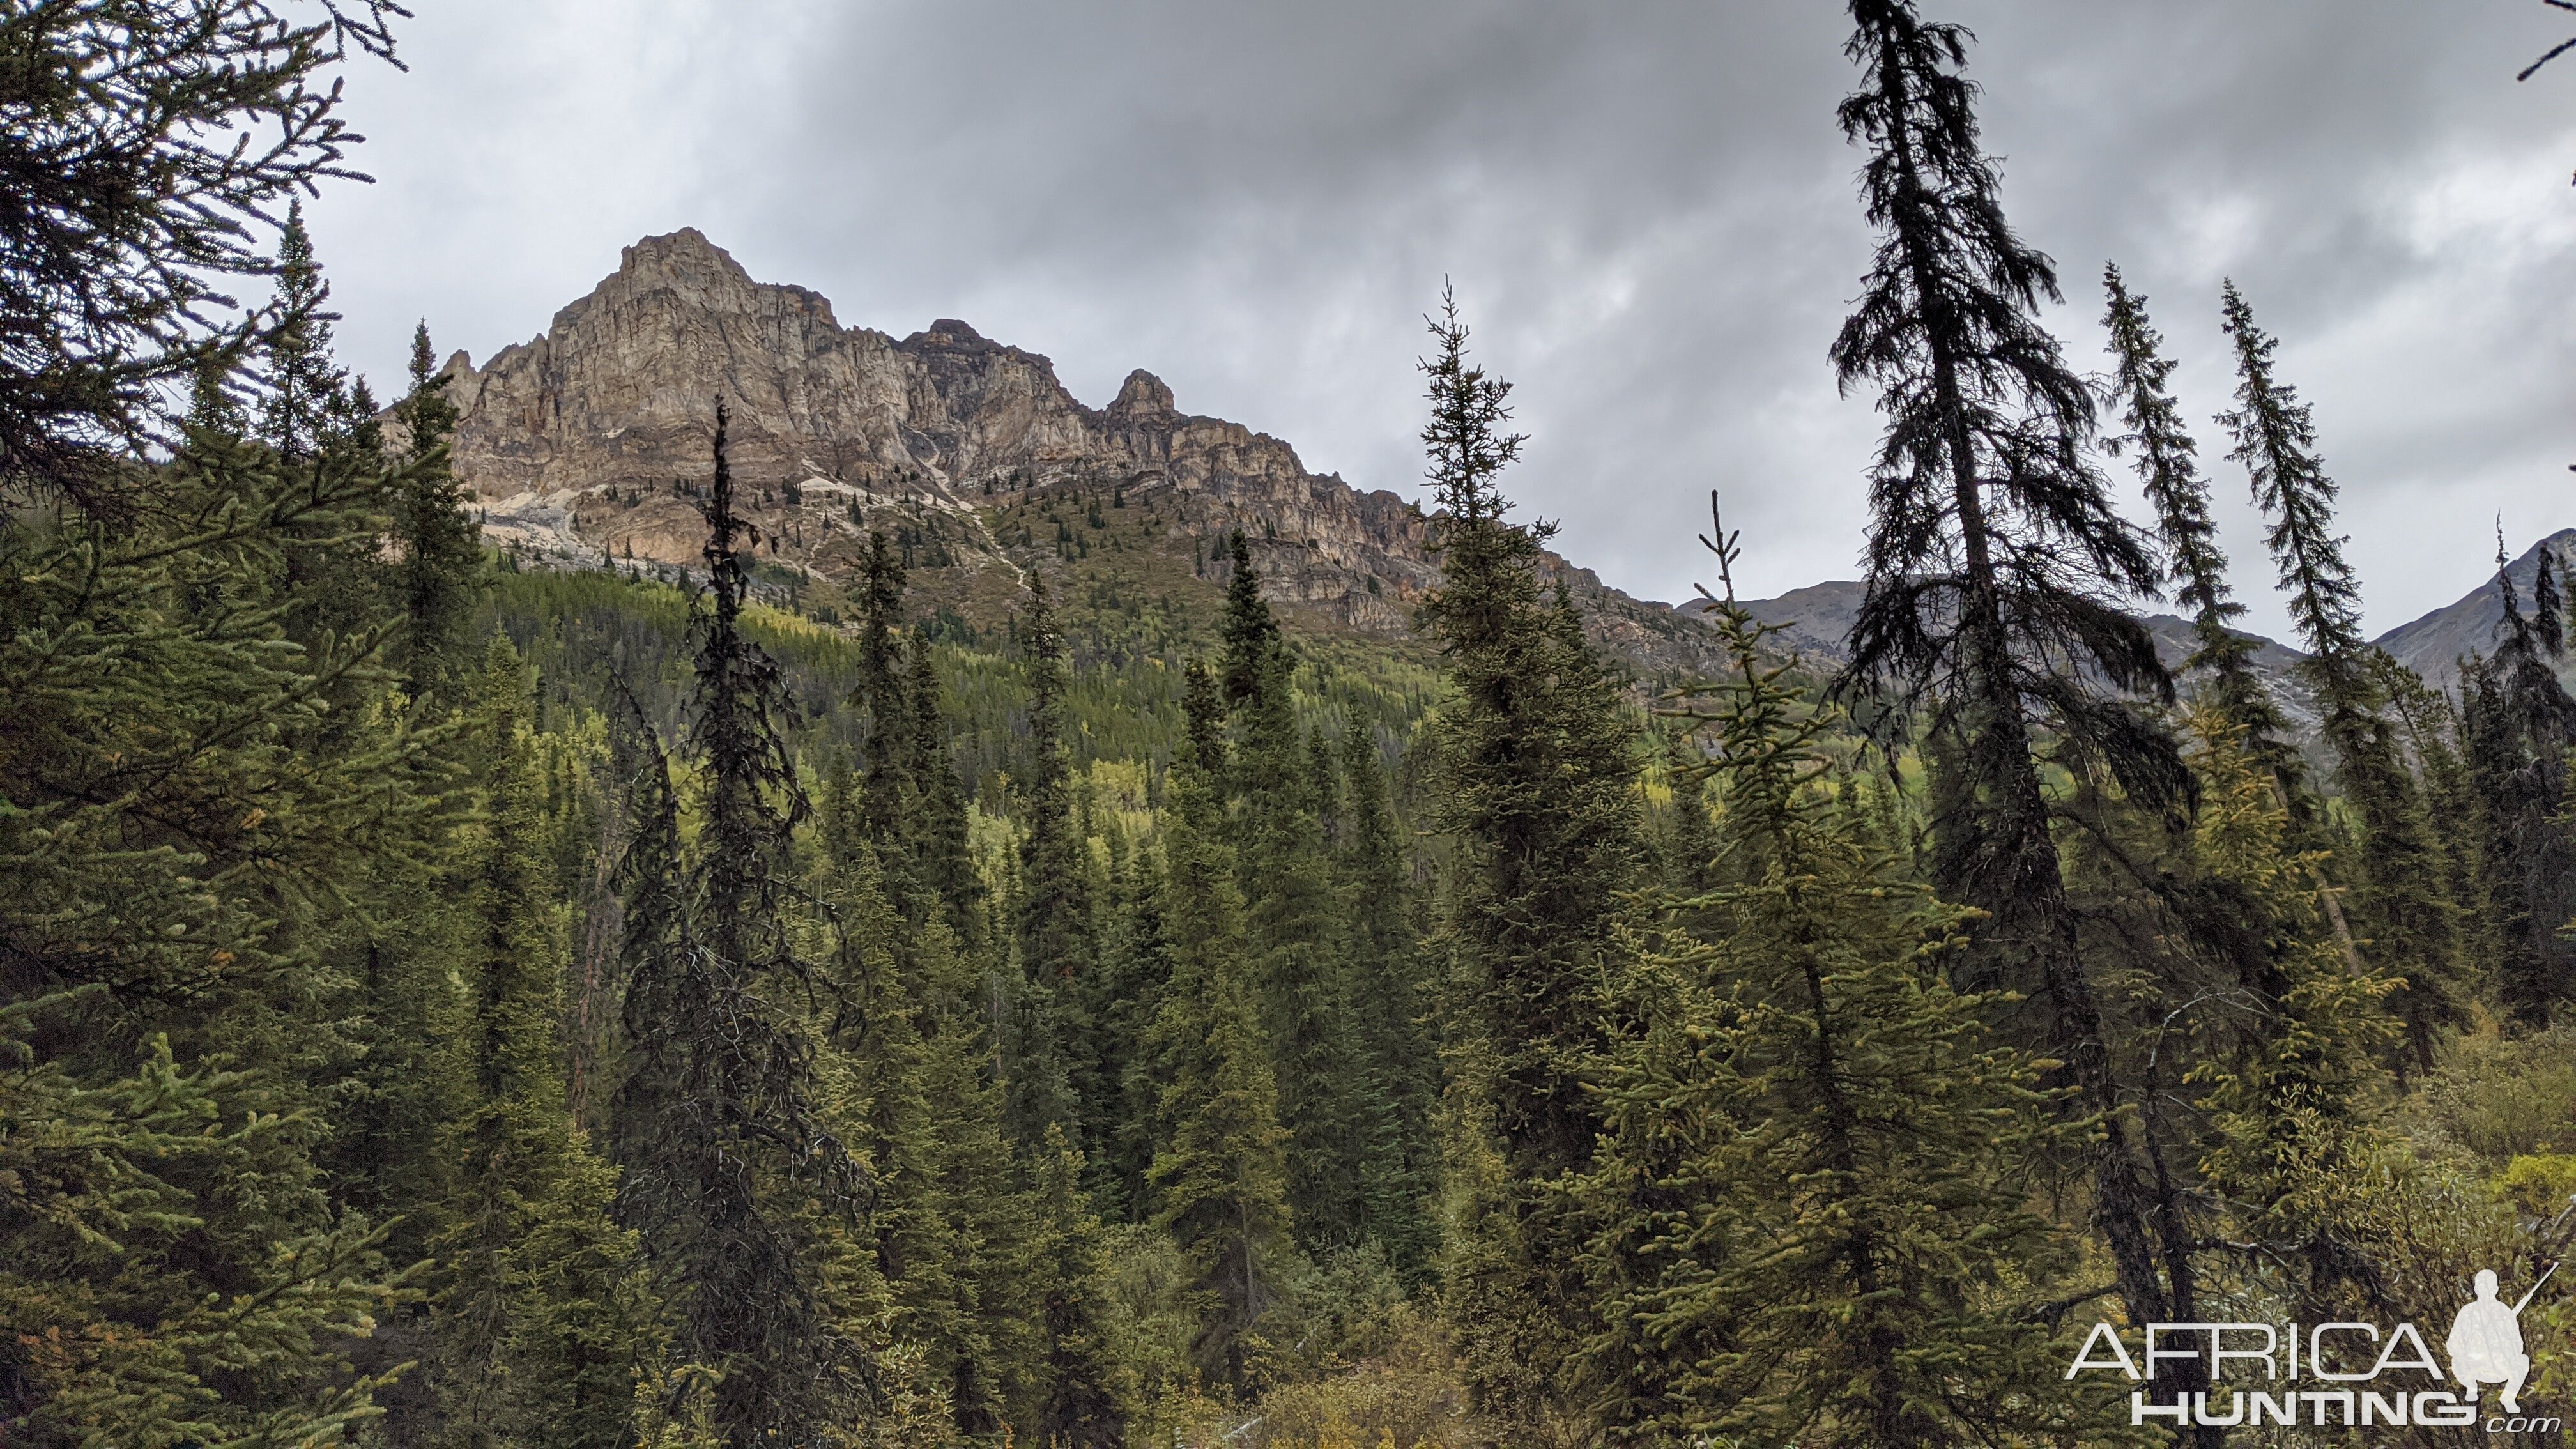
(1645, 207)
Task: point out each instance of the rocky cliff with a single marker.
(585, 439)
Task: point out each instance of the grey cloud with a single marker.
(1645, 207)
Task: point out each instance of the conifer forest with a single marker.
(449, 998)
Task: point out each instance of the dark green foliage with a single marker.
(949, 1222)
(1291, 917)
(936, 824)
(881, 692)
(305, 390)
(1066, 1260)
(1053, 910)
(1995, 566)
(1809, 1190)
(441, 551)
(184, 813)
(718, 1128)
(1398, 1074)
(1536, 777)
(1218, 1182)
(1125, 993)
(541, 1323)
(2403, 907)
(2517, 725)
(2168, 463)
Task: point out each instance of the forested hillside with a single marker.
(692, 1000)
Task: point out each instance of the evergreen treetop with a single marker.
(135, 211)
(2276, 440)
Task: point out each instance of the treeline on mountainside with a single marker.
(443, 1003)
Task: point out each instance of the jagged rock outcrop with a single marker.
(583, 440)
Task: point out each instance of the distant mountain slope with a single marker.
(2433, 645)
(1818, 617)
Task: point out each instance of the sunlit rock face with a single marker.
(585, 439)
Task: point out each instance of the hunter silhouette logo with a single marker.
(2486, 1341)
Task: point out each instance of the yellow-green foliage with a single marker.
(2542, 1185)
(2501, 1098)
(1405, 1398)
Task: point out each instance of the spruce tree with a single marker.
(1218, 1182)
(937, 825)
(441, 552)
(2291, 1140)
(1391, 1009)
(130, 226)
(950, 1219)
(1290, 915)
(2520, 724)
(880, 694)
(1535, 760)
(2168, 464)
(185, 867)
(2405, 911)
(1053, 909)
(1994, 564)
(1067, 1257)
(530, 1344)
(1810, 1186)
(304, 384)
(1124, 992)
(731, 1171)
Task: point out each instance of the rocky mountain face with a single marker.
(585, 440)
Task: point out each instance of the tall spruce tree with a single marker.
(1536, 777)
(305, 385)
(1218, 1182)
(2168, 464)
(950, 1221)
(541, 1324)
(1399, 1073)
(731, 1170)
(2405, 911)
(880, 694)
(1810, 1190)
(1995, 570)
(441, 552)
(1054, 906)
(1290, 915)
(1135, 964)
(182, 859)
(936, 827)
(2519, 726)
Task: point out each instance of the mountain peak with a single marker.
(1142, 396)
(681, 251)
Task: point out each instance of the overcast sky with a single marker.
(1645, 207)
